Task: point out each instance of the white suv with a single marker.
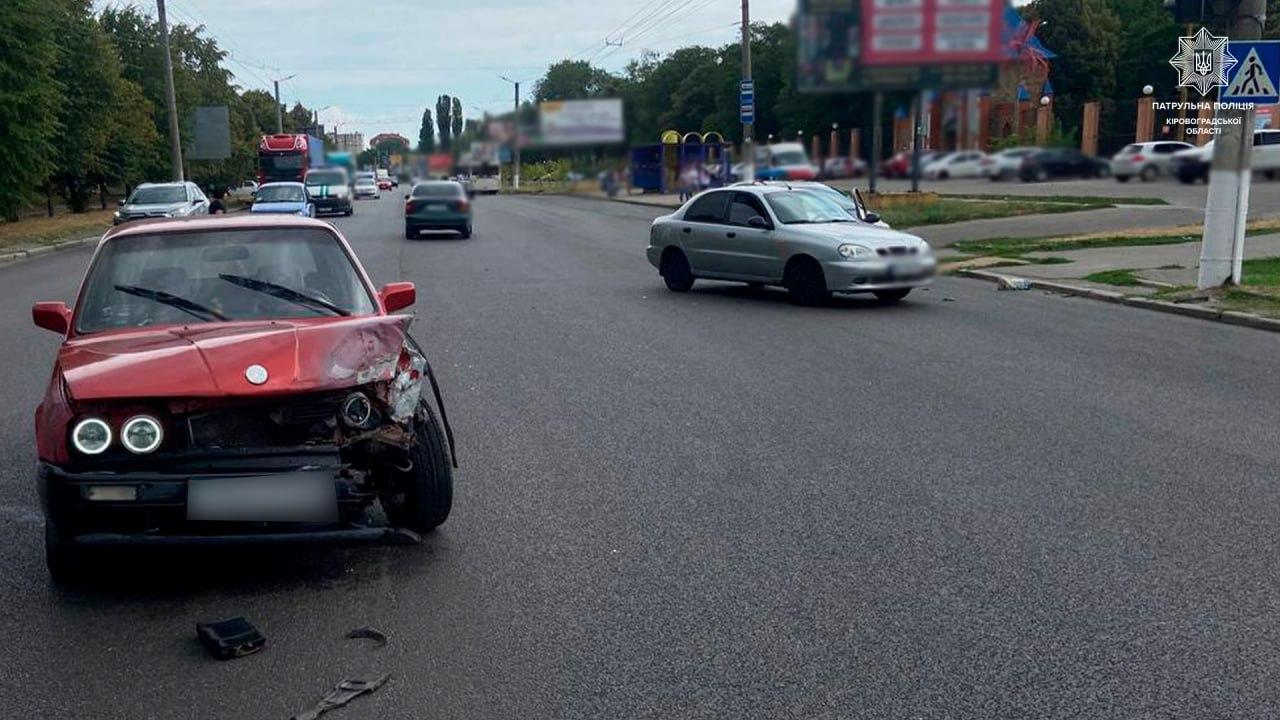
(1147, 160)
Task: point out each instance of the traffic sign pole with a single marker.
(748, 119)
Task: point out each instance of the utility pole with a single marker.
(877, 138)
(917, 129)
(515, 122)
(279, 109)
(170, 98)
(1227, 208)
(748, 128)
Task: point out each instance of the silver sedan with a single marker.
(799, 239)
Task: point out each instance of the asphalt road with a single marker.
(971, 505)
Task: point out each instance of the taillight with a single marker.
(408, 206)
(1137, 158)
(463, 205)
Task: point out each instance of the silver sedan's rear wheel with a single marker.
(675, 270)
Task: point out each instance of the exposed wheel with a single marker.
(65, 561)
(891, 296)
(805, 282)
(1149, 173)
(943, 175)
(1187, 179)
(421, 497)
(1122, 178)
(1269, 174)
(675, 270)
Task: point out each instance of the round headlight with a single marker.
(141, 434)
(91, 436)
(358, 412)
(853, 251)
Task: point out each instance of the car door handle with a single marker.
(686, 231)
(731, 234)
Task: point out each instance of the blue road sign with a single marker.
(747, 101)
(1256, 75)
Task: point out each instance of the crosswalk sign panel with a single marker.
(1256, 74)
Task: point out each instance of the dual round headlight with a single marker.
(140, 435)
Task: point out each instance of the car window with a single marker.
(1131, 150)
(326, 177)
(800, 207)
(203, 268)
(280, 193)
(744, 207)
(158, 195)
(1266, 138)
(709, 208)
(437, 190)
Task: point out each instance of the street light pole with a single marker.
(170, 98)
(279, 111)
(515, 172)
(748, 128)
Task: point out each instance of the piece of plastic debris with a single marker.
(368, 633)
(1013, 283)
(347, 690)
(948, 299)
(231, 638)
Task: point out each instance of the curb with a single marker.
(1230, 317)
(17, 256)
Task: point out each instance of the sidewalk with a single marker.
(1117, 219)
(1155, 262)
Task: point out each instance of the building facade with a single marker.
(346, 142)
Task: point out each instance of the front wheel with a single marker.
(891, 296)
(806, 284)
(420, 496)
(1149, 173)
(675, 271)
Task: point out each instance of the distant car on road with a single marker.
(244, 191)
(162, 200)
(961, 164)
(437, 205)
(233, 380)
(1004, 165)
(1147, 161)
(1054, 163)
(330, 191)
(283, 198)
(843, 167)
(772, 235)
(385, 184)
(366, 187)
(899, 166)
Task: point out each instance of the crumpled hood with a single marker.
(861, 233)
(210, 359)
(278, 207)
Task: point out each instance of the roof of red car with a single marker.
(238, 221)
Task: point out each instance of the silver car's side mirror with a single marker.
(758, 222)
(871, 218)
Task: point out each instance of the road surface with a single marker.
(718, 504)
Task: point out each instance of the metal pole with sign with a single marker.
(747, 99)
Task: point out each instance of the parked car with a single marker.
(366, 187)
(234, 380)
(1054, 163)
(283, 198)
(437, 205)
(899, 166)
(162, 200)
(1147, 160)
(330, 191)
(244, 191)
(1192, 165)
(843, 167)
(775, 235)
(961, 164)
(1004, 165)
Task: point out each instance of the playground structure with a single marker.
(658, 168)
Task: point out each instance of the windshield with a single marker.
(326, 177)
(799, 207)
(437, 190)
(844, 201)
(234, 275)
(159, 195)
(281, 162)
(280, 193)
(790, 157)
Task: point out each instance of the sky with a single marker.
(377, 64)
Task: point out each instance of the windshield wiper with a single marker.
(189, 307)
(284, 293)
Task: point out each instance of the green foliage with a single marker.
(547, 170)
(444, 121)
(30, 97)
(1086, 35)
(427, 133)
(455, 125)
(573, 80)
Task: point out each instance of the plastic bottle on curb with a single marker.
(1013, 283)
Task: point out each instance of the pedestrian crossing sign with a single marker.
(1256, 74)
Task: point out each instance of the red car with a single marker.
(233, 380)
(384, 184)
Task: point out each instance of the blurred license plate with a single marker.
(285, 497)
(436, 207)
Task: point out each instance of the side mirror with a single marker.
(52, 316)
(397, 296)
(758, 222)
(120, 202)
(871, 217)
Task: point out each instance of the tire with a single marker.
(675, 271)
(349, 212)
(1149, 173)
(65, 561)
(410, 233)
(805, 282)
(420, 499)
(1269, 174)
(465, 233)
(944, 175)
(1122, 178)
(891, 296)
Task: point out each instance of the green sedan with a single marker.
(437, 205)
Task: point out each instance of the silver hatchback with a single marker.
(797, 238)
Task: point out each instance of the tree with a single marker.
(444, 123)
(427, 133)
(1086, 36)
(90, 73)
(30, 96)
(299, 119)
(573, 80)
(456, 126)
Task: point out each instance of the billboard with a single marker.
(212, 137)
(931, 32)
(581, 122)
